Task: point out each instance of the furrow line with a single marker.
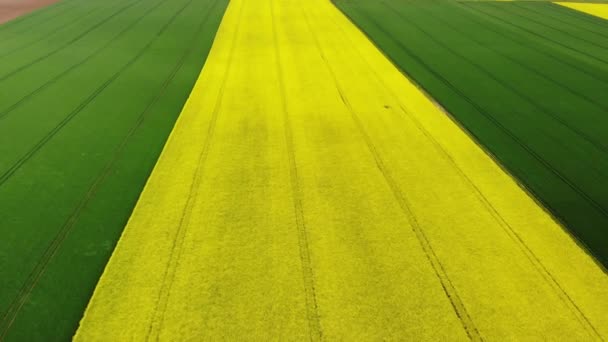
(156, 325)
(447, 285)
(312, 310)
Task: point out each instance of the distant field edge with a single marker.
(13, 12)
(598, 9)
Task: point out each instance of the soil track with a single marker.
(11, 9)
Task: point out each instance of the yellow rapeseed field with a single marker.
(310, 191)
(598, 10)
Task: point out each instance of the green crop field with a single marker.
(527, 80)
(89, 91)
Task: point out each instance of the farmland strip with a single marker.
(533, 257)
(282, 268)
(158, 316)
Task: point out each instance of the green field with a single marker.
(89, 91)
(527, 79)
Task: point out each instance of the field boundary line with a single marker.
(544, 24)
(8, 110)
(523, 65)
(73, 218)
(559, 17)
(598, 145)
(507, 228)
(83, 34)
(475, 13)
(158, 315)
(508, 23)
(312, 310)
(504, 129)
(584, 16)
(545, 207)
(447, 285)
(482, 20)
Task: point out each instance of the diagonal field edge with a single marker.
(160, 306)
(126, 29)
(31, 282)
(537, 263)
(507, 131)
(598, 145)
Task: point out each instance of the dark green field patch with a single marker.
(528, 80)
(83, 117)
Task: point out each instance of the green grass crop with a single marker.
(89, 92)
(527, 80)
